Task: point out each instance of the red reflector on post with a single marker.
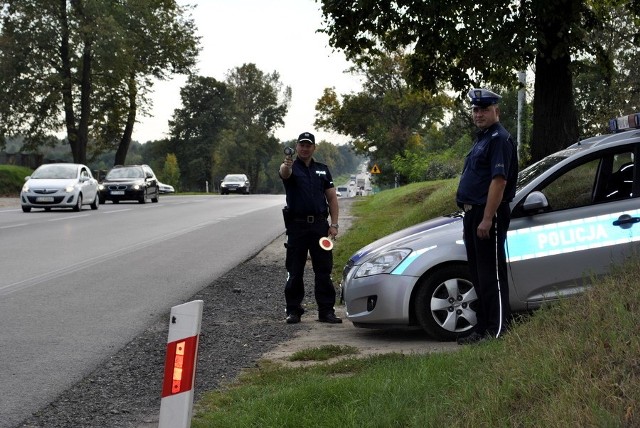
(179, 366)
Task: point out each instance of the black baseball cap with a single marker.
(307, 137)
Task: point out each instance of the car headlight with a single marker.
(382, 263)
(25, 188)
(70, 188)
(138, 185)
(100, 186)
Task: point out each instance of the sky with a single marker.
(276, 35)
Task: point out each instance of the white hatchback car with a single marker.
(575, 214)
(60, 185)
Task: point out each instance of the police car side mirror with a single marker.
(535, 202)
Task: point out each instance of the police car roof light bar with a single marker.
(625, 123)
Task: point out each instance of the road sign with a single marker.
(375, 169)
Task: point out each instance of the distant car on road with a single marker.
(342, 191)
(166, 188)
(60, 185)
(575, 214)
(234, 183)
(130, 183)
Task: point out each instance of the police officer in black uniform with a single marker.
(311, 198)
(487, 185)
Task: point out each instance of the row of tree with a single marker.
(584, 55)
(86, 67)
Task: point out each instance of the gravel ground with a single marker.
(243, 318)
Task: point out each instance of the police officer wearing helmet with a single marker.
(311, 198)
(487, 185)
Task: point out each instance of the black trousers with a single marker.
(303, 239)
(488, 268)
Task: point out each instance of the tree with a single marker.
(84, 66)
(195, 129)
(171, 171)
(162, 43)
(385, 115)
(260, 103)
(463, 43)
(606, 82)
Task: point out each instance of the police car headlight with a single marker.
(70, 188)
(382, 263)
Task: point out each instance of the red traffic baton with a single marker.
(326, 243)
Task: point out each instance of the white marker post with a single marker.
(176, 406)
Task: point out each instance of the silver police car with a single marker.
(575, 213)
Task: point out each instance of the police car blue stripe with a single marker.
(556, 238)
(569, 236)
(399, 270)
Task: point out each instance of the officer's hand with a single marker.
(483, 229)
(333, 232)
(288, 162)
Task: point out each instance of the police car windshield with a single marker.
(532, 171)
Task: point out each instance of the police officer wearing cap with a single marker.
(311, 198)
(487, 185)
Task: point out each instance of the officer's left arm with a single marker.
(494, 198)
(332, 200)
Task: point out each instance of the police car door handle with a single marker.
(625, 221)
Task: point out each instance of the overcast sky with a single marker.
(276, 35)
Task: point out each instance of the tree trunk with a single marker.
(555, 121)
(125, 141)
(86, 87)
(67, 85)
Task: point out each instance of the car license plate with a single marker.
(117, 192)
(44, 199)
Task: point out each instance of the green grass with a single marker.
(12, 179)
(575, 363)
(323, 353)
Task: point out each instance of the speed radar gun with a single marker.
(288, 152)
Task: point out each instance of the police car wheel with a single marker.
(445, 302)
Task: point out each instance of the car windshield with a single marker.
(56, 172)
(234, 178)
(125, 173)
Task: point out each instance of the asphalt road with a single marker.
(76, 287)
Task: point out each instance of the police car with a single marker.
(575, 214)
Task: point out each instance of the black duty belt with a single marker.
(469, 207)
(311, 218)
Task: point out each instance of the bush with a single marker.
(438, 170)
(12, 179)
